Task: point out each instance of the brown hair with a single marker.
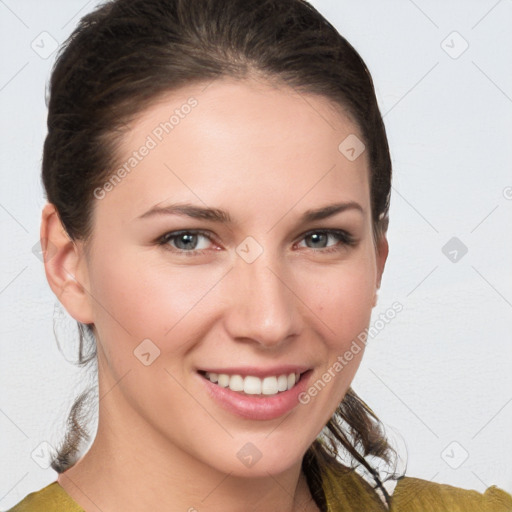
(126, 55)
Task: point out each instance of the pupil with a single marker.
(187, 238)
(318, 237)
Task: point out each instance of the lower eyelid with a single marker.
(344, 239)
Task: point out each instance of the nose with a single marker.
(262, 307)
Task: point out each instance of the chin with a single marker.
(262, 456)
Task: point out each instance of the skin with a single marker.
(265, 155)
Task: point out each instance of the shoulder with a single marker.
(414, 494)
(345, 490)
(349, 491)
(52, 498)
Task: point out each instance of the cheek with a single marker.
(134, 302)
(343, 300)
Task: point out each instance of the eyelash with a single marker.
(346, 239)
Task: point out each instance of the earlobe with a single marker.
(64, 266)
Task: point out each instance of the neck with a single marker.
(133, 468)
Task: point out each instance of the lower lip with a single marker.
(257, 407)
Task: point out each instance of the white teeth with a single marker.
(223, 380)
(269, 386)
(282, 383)
(236, 383)
(254, 385)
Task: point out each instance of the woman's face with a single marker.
(224, 247)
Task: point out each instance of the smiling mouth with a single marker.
(252, 385)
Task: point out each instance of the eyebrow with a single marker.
(221, 216)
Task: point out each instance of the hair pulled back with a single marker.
(127, 54)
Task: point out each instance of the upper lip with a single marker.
(260, 372)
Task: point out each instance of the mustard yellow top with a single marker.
(348, 493)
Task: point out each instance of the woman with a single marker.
(218, 182)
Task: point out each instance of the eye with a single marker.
(186, 241)
(191, 242)
(320, 239)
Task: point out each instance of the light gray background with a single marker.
(438, 375)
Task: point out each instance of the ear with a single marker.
(382, 250)
(65, 266)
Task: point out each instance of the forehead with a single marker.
(230, 140)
